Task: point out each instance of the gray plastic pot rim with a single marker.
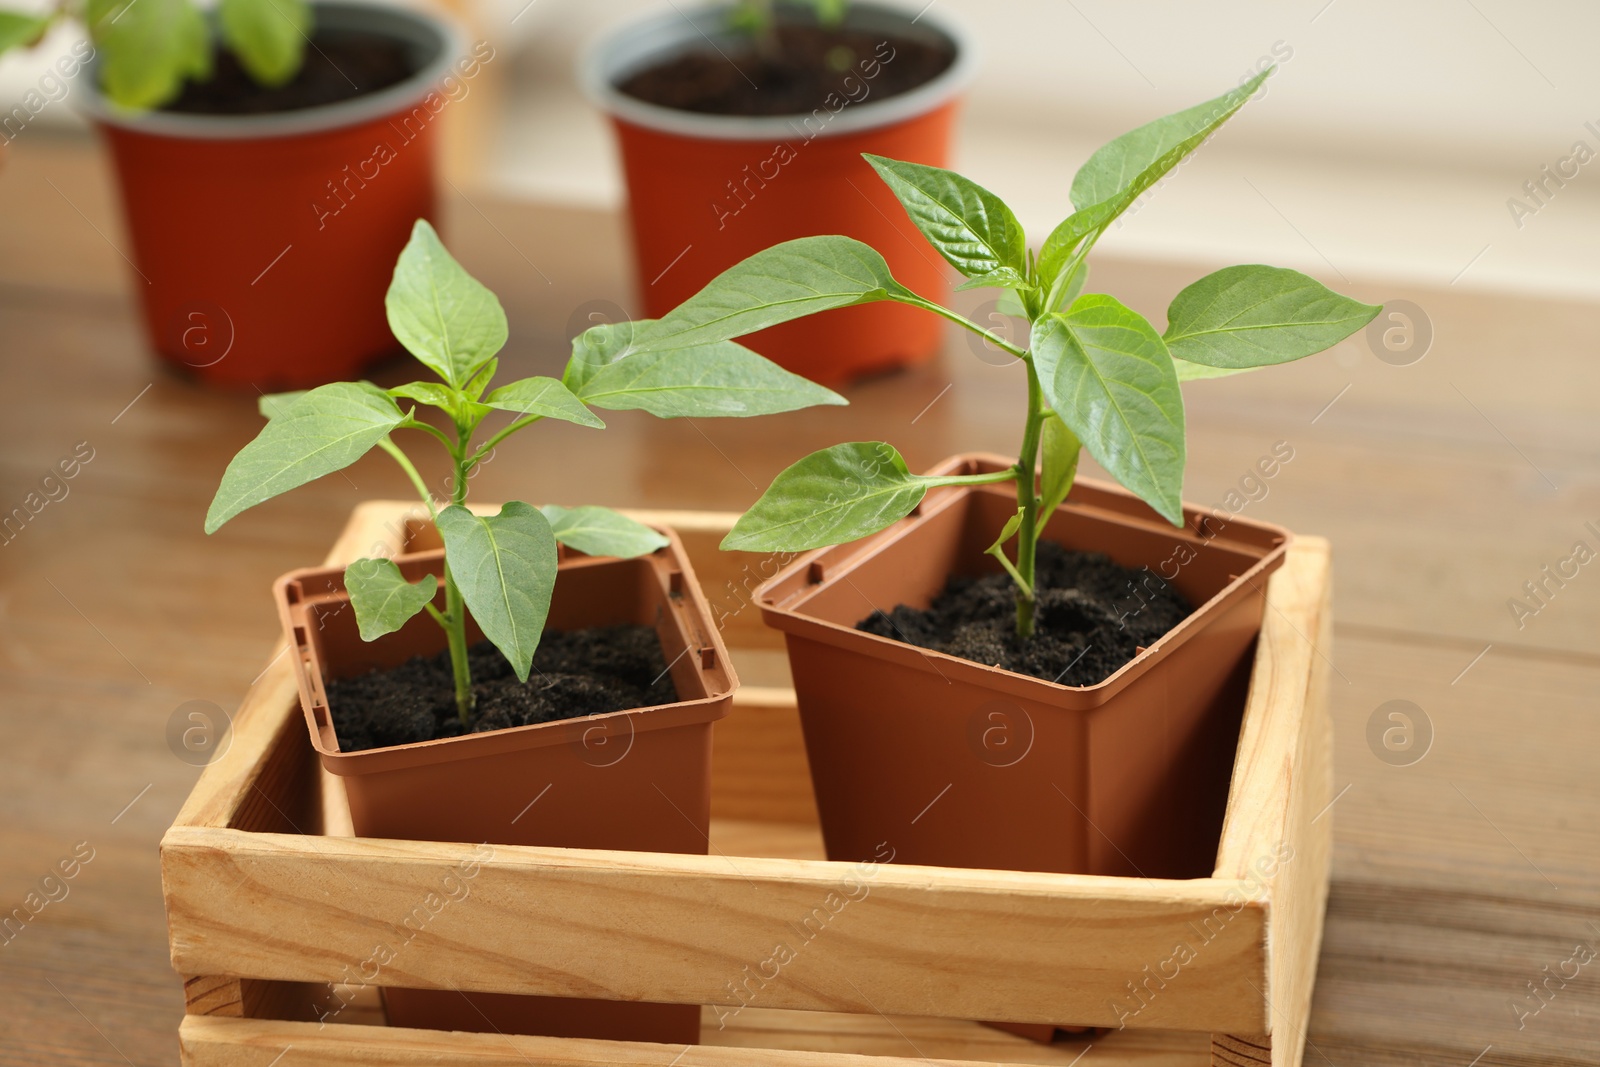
(632, 46)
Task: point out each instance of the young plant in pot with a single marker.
(548, 677)
(741, 125)
(1000, 665)
(271, 156)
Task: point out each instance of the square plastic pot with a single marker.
(957, 764)
(635, 780)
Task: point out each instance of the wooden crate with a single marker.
(269, 899)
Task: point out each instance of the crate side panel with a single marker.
(206, 1042)
(718, 930)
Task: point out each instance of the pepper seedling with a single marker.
(500, 568)
(759, 19)
(1099, 375)
(150, 48)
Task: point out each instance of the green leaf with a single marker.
(1195, 372)
(544, 397)
(267, 36)
(1255, 316)
(273, 403)
(599, 347)
(1121, 164)
(1121, 171)
(148, 48)
(1004, 278)
(444, 316)
(480, 380)
(384, 601)
(1061, 448)
(829, 498)
(784, 282)
(1006, 533)
(505, 566)
(431, 393)
(830, 12)
(969, 226)
(325, 430)
(462, 409)
(997, 550)
(1107, 374)
(18, 28)
(598, 531)
(1067, 287)
(720, 379)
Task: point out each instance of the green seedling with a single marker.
(149, 49)
(759, 19)
(1099, 375)
(500, 568)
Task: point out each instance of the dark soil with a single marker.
(808, 65)
(1092, 618)
(575, 673)
(343, 64)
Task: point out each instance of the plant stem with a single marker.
(455, 609)
(912, 299)
(454, 617)
(411, 472)
(1028, 502)
(455, 631)
(992, 478)
(510, 428)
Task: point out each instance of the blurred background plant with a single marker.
(149, 49)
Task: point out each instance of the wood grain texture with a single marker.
(252, 998)
(758, 760)
(897, 939)
(1277, 832)
(212, 1042)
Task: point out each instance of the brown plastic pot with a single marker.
(263, 244)
(957, 764)
(706, 191)
(636, 780)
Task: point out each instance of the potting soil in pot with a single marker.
(341, 64)
(810, 67)
(575, 673)
(1092, 617)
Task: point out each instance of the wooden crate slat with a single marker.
(1278, 801)
(217, 1042)
(1270, 746)
(915, 940)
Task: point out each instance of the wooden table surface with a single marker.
(1445, 485)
